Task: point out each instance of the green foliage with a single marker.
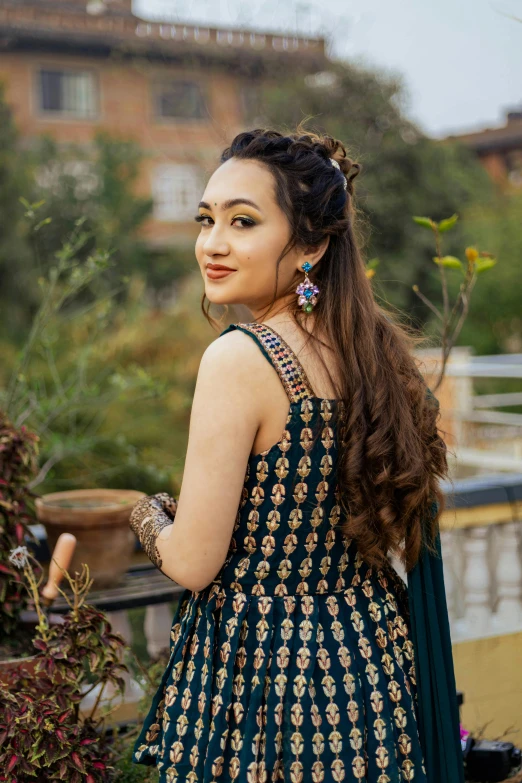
(494, 324)
(448, 223)
(449, 262)
(441, 227)
(44, 736)
(425, 222)
(15, 255)
(483, 265)
(18, 465)
(70, 219)
(450, 319)
(60, 384)
(438, 178)
(96, 185)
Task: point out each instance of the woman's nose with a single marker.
(215, 243)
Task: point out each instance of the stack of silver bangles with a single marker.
(149, 516)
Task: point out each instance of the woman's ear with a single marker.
(314, 254)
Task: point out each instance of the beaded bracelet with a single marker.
(149, 516)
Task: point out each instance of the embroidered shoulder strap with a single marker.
(281, 356)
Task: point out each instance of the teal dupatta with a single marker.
(438, 713)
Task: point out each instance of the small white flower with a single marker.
(18, 556)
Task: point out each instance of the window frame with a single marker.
(68, 116)
(160, 81)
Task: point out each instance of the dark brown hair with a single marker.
(391, 453)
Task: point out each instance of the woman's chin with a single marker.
(220, 297)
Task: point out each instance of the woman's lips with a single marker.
(216, 274)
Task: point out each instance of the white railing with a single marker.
(480, 438)
(481, 544)
(483, 576)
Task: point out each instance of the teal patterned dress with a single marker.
(296, 663)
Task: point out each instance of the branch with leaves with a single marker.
(451, 318)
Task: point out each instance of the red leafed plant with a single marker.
(44, 736)
(18, 465)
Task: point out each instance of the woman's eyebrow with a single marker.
(230, 203)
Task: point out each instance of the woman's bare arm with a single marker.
(226, 413)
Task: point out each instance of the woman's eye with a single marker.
(201, 218)
(247, 221)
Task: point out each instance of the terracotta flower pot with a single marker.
(8, 665)
(99, 518)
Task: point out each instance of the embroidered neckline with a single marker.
(286, 363)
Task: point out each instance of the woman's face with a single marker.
(247, 236)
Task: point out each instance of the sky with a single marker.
(461, 60)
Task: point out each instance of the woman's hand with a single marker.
(149, 518)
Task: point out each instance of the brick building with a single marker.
(71, 67)
(500, 150)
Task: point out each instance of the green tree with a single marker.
(15, 257)
(495, 321)
(98, 185)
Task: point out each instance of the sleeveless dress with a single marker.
(296, 663)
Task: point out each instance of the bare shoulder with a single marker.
(234, 361)
(234, 351)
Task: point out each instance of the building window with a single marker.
(514, 167)
(176, 99)
(68, 92)
(176, 190)
(251, 102)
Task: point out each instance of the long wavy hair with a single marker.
(390, 451)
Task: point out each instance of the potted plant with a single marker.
(45, 734)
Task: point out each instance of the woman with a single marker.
(297, 653)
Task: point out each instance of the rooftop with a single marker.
(100, 26)
(493, 139)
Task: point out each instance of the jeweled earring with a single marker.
(308, 292)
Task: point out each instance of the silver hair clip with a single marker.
(335, 163)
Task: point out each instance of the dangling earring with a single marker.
(308, 292)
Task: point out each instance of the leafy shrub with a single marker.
(18, 465)
(43, 734)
